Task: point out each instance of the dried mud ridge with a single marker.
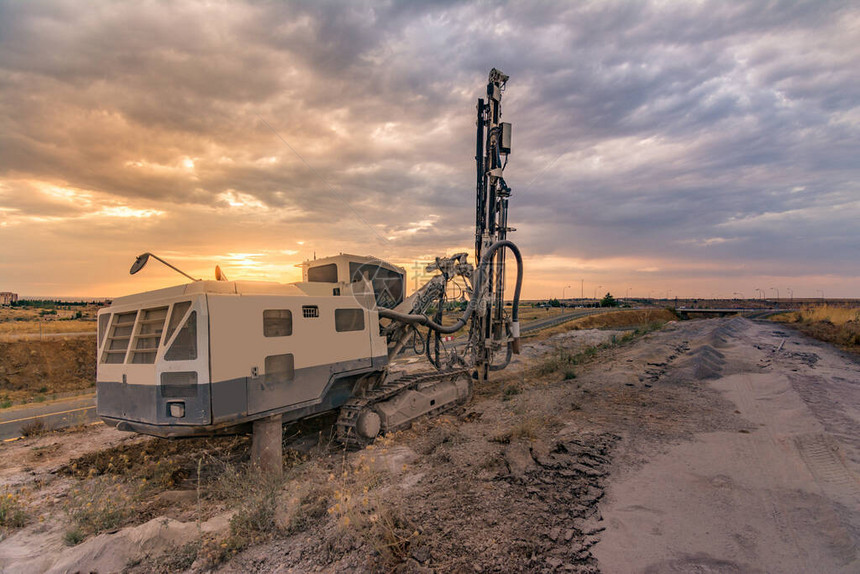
(563, 486)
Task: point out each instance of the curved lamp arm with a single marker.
(142, 260)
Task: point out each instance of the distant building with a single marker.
(7, 298)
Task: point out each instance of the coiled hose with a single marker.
(470, 308)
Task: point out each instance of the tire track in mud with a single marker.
(821, 454)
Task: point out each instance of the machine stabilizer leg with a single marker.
(266, 445)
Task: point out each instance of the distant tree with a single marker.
(608, 301)
(554, 303)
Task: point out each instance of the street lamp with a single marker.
(822, 294)
(777, 294)
(561, 306)
(595, 293)
(791, 296)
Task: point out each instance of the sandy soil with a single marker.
(709, 446)
(780, 496)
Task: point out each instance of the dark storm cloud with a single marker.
(657, 130)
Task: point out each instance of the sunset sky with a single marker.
(661, 148)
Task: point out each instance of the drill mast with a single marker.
(491, 327)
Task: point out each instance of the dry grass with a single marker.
(528, 428)
(47, 327)
(839, 325)
(34, 428)
(361, 510)
(834, 314)
(29, 320)
(612, 320)
(99, 504)
(12, 513)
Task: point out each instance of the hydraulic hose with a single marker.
(470, 308)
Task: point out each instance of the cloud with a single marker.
(647, 135)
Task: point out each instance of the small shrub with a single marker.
(214, 551)
(180, 558)
(73, 536)
(5, 403)
(254, 496)
(34, 428)
(390, 534)
(12, 513)
(558, 360)
(100, 503)
(569, 374)
(312, 506)
(527, 429)
(361, 511)
(511, 390)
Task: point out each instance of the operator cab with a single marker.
(389, 281)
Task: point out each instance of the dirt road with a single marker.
(782, 495)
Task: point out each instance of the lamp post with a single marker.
(822, 294)
(595, 294)
(791, 296)
(561, 305)
(777, 295)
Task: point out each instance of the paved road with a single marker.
(39, 337)
(53, 414)
(562, 318)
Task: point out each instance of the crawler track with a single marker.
(345, 426)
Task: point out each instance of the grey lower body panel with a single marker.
(147, 404)
(222, 407)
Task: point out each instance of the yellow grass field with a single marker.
(29, 321)
(839, 325)
(33, 327)
(831, 313)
